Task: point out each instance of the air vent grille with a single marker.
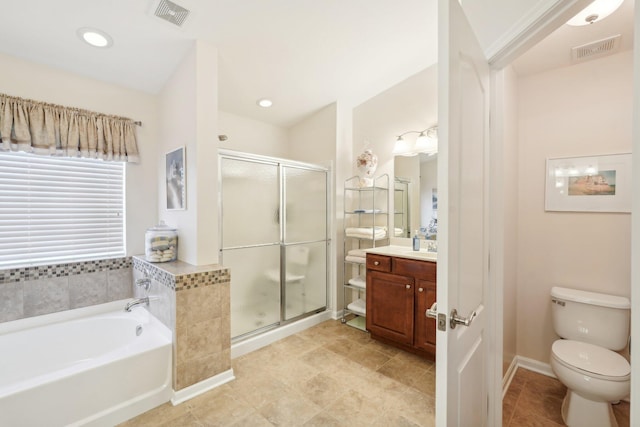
(171, 12)
(596, 49)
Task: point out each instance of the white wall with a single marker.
(252, 136)
(41, 83)
(411, 105)
(509, 215)
(188, 111)
(581, 110)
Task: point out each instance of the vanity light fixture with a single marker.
(95, 37)
(596, 11)
(264, 102)
(426, 142)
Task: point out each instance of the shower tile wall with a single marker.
(33, 291)
(194, 303)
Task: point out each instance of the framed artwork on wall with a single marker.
(175, 174)
(589, 184)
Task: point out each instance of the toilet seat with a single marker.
(591, 360)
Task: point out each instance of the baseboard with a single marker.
(508, 376)
(526, 363)
(257, 342)
(202, 387)
(535, 366)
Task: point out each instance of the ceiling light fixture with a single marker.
(264, 103)
(95, 37)
(426, 142)
(596, 11)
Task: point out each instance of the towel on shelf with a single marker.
(358, 282)
(357, 252)
(356, 259)
(358, 306)
(398, 232)
(373, 233)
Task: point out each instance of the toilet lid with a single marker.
(591, 358)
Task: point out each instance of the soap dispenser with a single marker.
(416, 241)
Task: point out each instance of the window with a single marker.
(55, 210)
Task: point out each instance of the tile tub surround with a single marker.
(194, 302)
(33, 291)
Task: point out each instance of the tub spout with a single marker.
(136, 302)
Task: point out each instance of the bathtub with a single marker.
(94, 366)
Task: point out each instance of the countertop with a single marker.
(404, 252)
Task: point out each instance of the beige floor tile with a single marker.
(290, 410)
(332, 375)
(323, 420)
(221, 410)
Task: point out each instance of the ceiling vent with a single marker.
(171, 12)
(596, 49)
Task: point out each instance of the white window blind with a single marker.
(55, 210)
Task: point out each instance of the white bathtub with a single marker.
(83, 367)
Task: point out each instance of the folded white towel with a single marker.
(356, 259)
(398, 232)
(358, 306)
(358, 282)
(357, 252)
(374, 233)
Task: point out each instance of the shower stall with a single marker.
(274, 239)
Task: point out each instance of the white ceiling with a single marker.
(555, 50)
(303, 54)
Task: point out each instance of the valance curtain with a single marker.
(41, 128)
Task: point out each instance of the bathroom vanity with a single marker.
(401, 286)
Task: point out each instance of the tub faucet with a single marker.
(136, 302)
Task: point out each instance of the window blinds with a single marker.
(55, 210)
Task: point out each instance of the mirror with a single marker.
(416, 196)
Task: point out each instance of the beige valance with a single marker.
(41, 128)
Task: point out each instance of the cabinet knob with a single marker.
(376, 262)
(420, 289)
(408, 286)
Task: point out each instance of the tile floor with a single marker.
(536, 400)
(332, 375)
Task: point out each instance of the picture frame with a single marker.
(175, 176)
(600, 183)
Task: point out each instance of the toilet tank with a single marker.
(591, 317)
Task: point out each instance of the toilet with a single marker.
(593, 327)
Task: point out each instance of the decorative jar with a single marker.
(161, 243)
(367, 163)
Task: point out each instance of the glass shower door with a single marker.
(304, 281)
(250, 246)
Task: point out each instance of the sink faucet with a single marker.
(136, 302)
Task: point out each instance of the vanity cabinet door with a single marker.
(390, 306)
(425, 328)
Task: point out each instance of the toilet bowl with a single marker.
(592, 325)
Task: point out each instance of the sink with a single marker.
(404, 252)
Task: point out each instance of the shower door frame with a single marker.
(280, 163)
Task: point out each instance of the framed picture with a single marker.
(175, 174)
(589, 184)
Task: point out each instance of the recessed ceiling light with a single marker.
(596, 11)
(265, 103)
(95, 37)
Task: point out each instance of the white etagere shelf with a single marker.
(366, 225)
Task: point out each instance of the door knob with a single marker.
(433, 311)
(420, 289)
(408, 286)
(456, 320)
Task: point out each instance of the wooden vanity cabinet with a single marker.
(399, 291)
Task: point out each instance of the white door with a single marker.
(462, 354)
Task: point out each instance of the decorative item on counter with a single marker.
(416, 241)
(161, 243)
(367, 164)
